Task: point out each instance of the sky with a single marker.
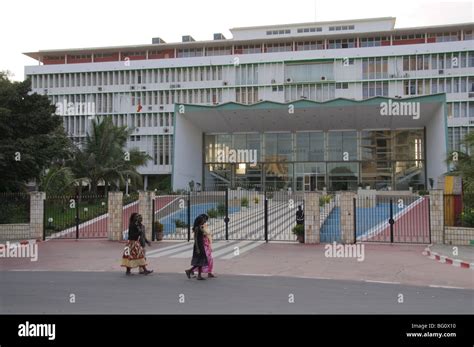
(32, 25)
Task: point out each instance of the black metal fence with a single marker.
(14, 208)
(233, 214)
(74, 217)
(397, 218)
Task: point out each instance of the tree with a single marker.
(32, 138)
(463, 165)
(104, 157)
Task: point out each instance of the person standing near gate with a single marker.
(199, 259)
(300, 215)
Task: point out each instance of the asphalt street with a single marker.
(36, 292)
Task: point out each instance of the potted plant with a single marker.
(158, 231)
(256, 200)
(298, 230)
(244, 202)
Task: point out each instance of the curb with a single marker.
(446, 260)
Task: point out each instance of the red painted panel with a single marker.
(47, 61)
(408, 42)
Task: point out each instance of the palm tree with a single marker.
(103, 158)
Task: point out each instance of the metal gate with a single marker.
(74, 217)
(233, 214)
(395, 218)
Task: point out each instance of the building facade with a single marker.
(143, 86)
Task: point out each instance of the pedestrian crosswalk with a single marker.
(220, 249)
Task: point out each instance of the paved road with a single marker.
(111, 292)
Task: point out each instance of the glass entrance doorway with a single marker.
(312, 182)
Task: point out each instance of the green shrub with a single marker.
(212, 213)
(256, 200)
(298, 229)
(467, 218)
(244, 202)
(324, 199)
(180, 224)
(221, 209)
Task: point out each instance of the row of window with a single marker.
(460, 109)
(259, 48)
(438, 61)
(321, 146)
(372, 68)
(456, 136)
(439, 85)
(114, 102)
(127, 77)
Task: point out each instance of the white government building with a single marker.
(307, 97)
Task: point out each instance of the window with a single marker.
(373, 89)
(343, 85)
(248, 49)
(374, 68)
(190, 52)
(309, 45)
(341, 43)
(278, 47)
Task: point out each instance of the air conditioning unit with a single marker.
(392, 76)
(166, 130)
(289, 80)
(132, 87)
(323, 78)
(224, 83)
(99, 89)
(273, 81)
(162, 107)
(46, 91)
(150, 108)
(471, 122)
(471, 95)
(143, 87)
(441, 72)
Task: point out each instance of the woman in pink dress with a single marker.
(208, 248)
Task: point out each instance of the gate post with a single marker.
(115, 222)
(347, 217)
(226, 218)
(37, 215)
(311, 218)
(145, 208)
(188, 215)
(437, 215)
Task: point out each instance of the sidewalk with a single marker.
(397, 263)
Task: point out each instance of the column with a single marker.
(437, 215)
(37, 215)
(115, 223)
(145, 207)
(311, 217)
(347, 217)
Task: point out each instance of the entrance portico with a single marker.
(307, 145)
